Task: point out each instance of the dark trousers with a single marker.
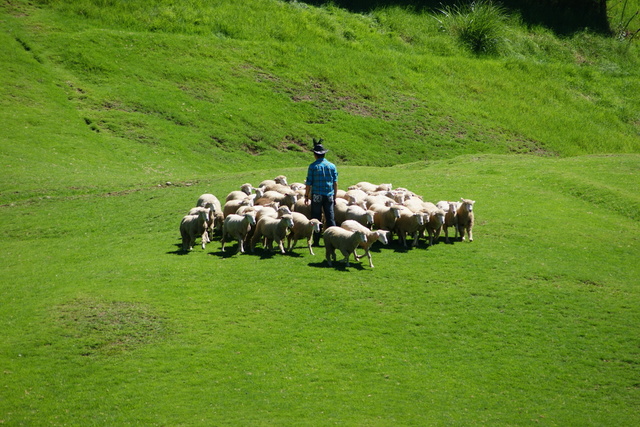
(320, 204)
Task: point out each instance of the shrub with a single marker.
(477, 25)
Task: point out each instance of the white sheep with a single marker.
(193, 226)
(340, 210)
(355, 196)
(232, 206)
(414, 203)
(372, 237)
(465, 218)
(274, 196)
(379, 199)
(245, 190)
(433, 222)
(385, 217)
(212, 200)
(363, 216)
(408, 222)
(236, 227)
(273, 230)
(303, 228)
(450, 218)
(280, 179)
(365, 186)
(274, 211)
(211, 218)
(302, 207)
(344, 240)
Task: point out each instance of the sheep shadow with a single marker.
(337, 265)
(228, 253)
(178, 251)
(265, 254)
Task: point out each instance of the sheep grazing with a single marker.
(273, 230)
(236, 227)
(193, 226)
(465, 219)
(356, 213)
(343, 240)
(372, 237)
(408, 223)
(433, 222)
(206, 199)
(303, 228)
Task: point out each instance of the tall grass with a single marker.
(478, 25)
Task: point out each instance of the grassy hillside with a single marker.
(168, 91)
(106, 322)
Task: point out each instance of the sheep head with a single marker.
(468, 204)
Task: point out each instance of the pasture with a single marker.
(116, 116)
(106, 322)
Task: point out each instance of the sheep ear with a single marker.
(314, 141)
(320, 141)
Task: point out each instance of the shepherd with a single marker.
(321, 187)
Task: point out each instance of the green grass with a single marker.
(89, 91)
(106, 322)
(534, 320)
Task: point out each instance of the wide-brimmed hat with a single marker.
(318, 148)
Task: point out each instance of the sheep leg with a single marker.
(469, 232)
(461, 231)
(403, 238)
(368, 254)
(281, 246)
(309, 243)
(415, 239)
(346, 260)
(241, 245)
(329, 255)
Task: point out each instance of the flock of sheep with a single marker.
(364, 214)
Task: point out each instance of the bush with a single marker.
(477, 25)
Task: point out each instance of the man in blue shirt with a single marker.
(322, 185)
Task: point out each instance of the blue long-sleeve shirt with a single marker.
(321, 176)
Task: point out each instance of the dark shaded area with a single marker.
(561, 16)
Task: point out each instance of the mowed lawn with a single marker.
(105, 322)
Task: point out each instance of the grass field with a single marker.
(535, 321)
(117, 116)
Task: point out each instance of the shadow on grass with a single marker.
(338, 265)
(178, 251)
(232, 250)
